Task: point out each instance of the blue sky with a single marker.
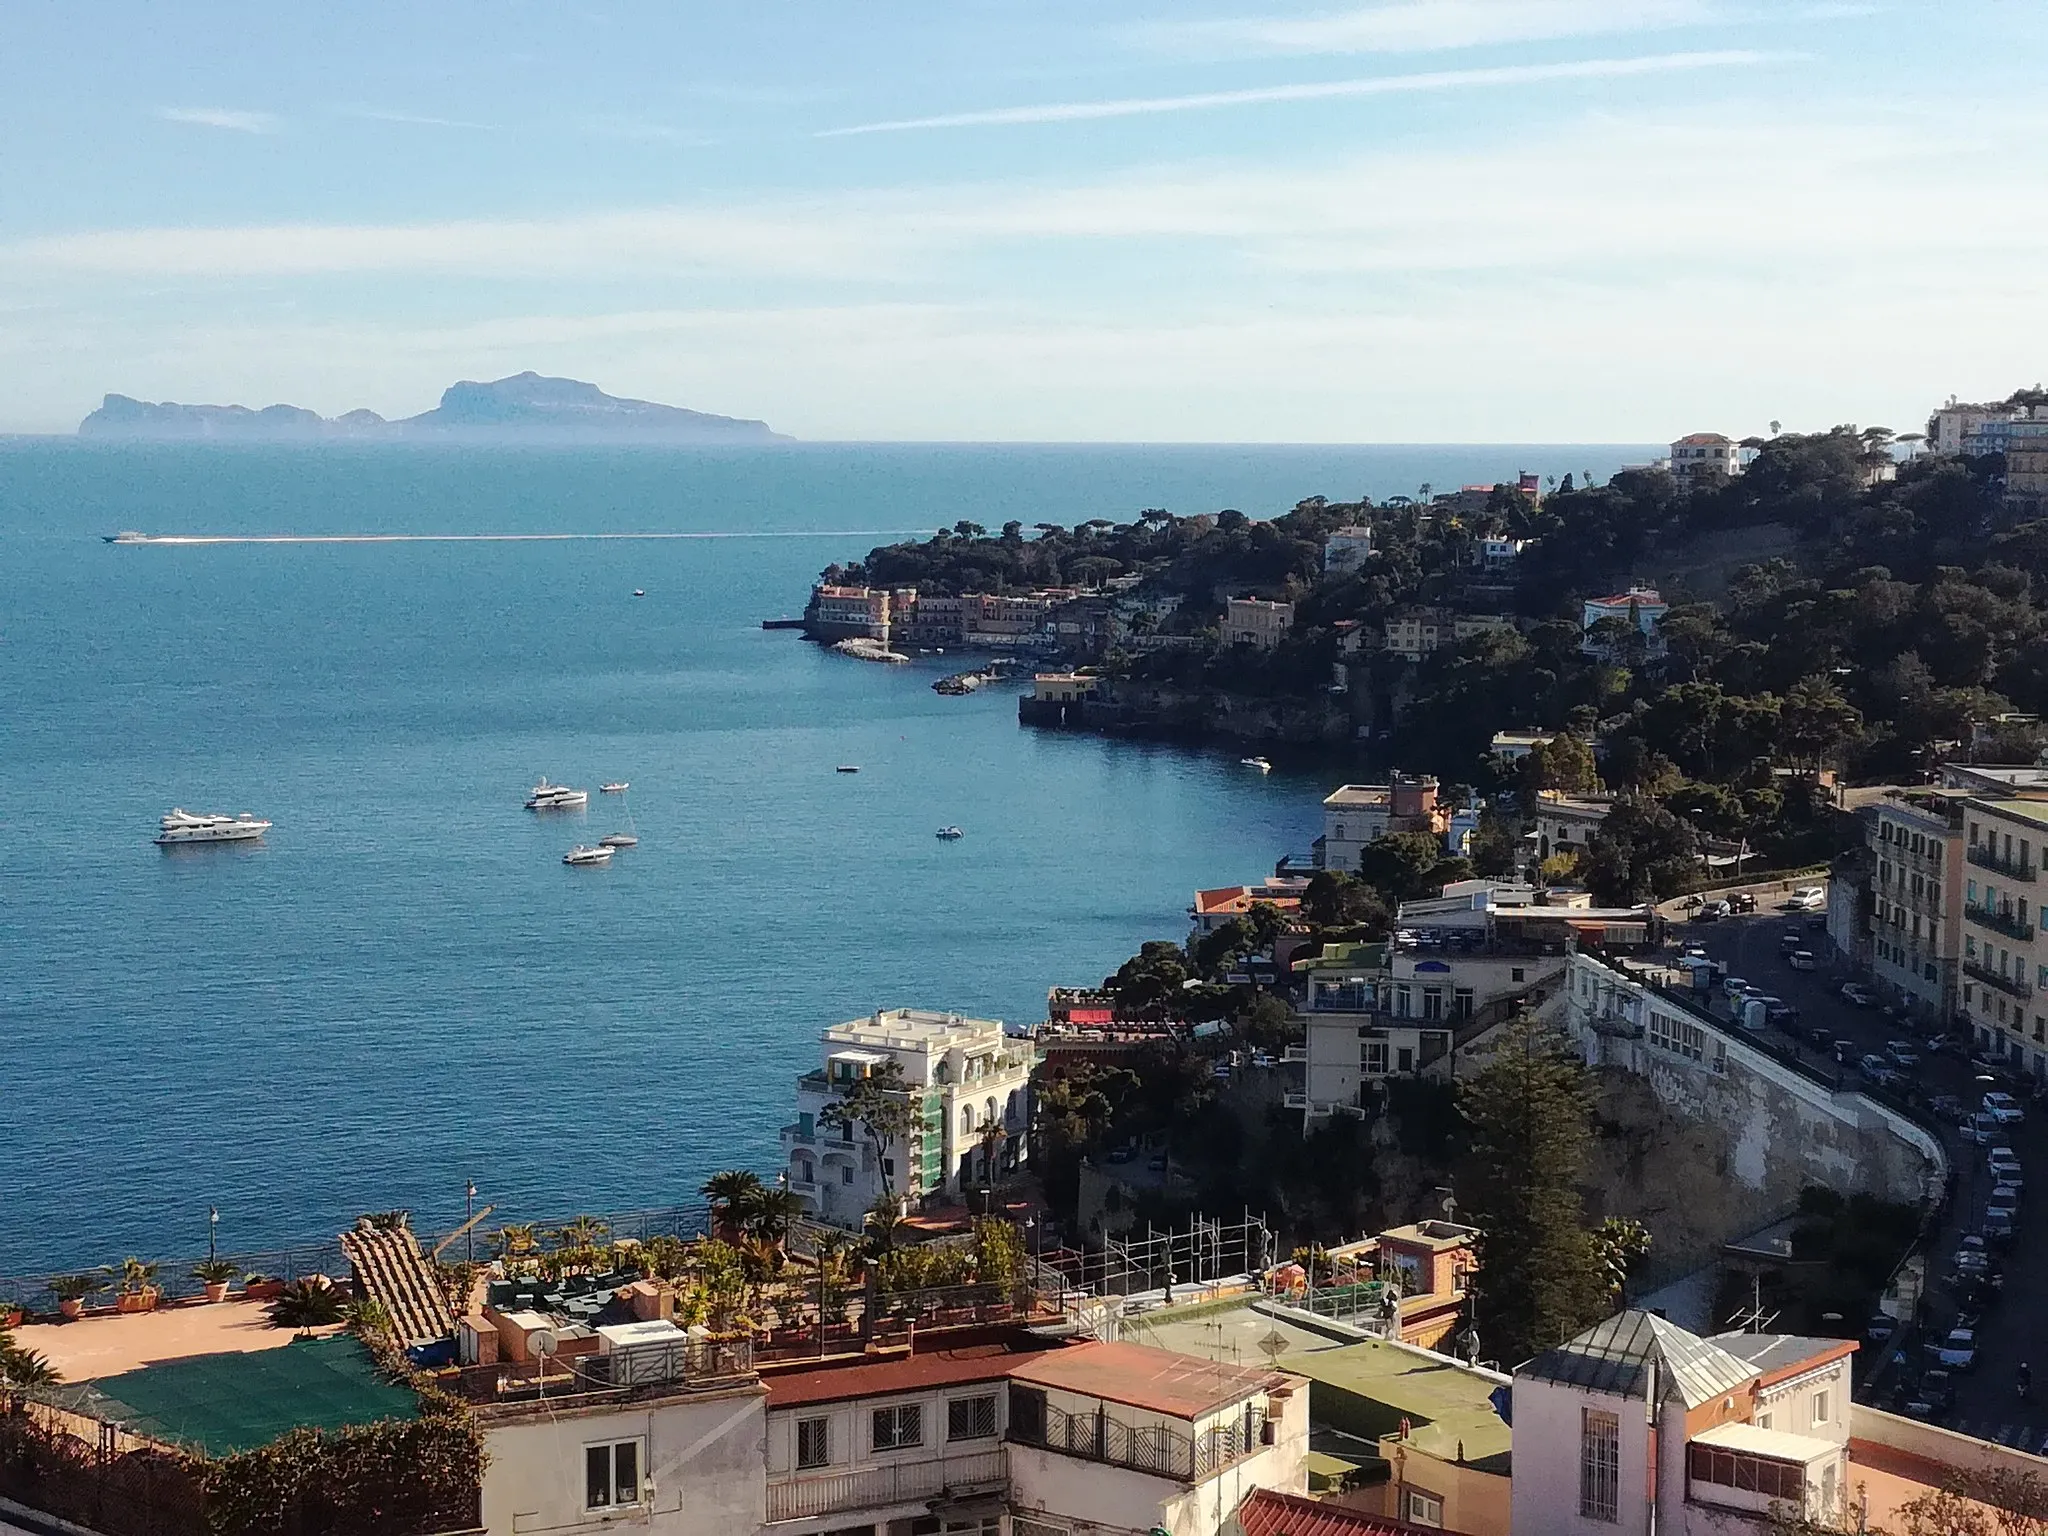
(1412, 220)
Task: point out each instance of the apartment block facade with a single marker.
(2004, 962)
(1916, 919)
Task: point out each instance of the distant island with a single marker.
(525, 408)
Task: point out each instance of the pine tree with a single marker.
(1541, 1273)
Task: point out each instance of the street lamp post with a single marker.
(212, 1233)
(469, 1216)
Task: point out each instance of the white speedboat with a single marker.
(951, 834)
(584, 854)
(1258, 763)
(618, 840)
(617, 787)
(184, 827)
(126, 536)
(556, 797)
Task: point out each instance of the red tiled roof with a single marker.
(1267, 1513)
(1705, 437)
(906, 1373)
(1139, 1376)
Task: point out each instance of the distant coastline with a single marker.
(525, 408)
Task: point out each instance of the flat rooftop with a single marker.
(2034, 812)
(1360, 795)
(224, 1403)
(914, 1029)
(1455, 1399)
(1234, 1335)
(110, 1343)
(1138, 1376)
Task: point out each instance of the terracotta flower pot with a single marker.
(263, 1290)
(10, 1317)
(216, 1290)
(71, 1306)
(137, 1301)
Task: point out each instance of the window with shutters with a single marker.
(899, 1428)
(813, 1443)
(971, 1418)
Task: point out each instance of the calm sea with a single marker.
(404, 987)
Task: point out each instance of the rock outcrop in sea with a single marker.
(525, 408)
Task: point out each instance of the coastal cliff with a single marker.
(524, 408)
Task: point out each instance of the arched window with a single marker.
(942, 1073)
(1010, 1109)
(966, 1119)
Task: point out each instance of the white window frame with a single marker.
(898, 1416)
(824, 1430)
(1424, 1509)
(610, 1449)
(1823, 1407)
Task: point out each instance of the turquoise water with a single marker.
(404, 987)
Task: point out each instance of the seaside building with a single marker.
(1256, 622)
(2004, 962)
(1566, 823)
(1057, 698)
(1960, 428)
(1355, 815)
(1346, 549)
(2026, 462)
(1705, 458)
(970, 1083)
(851, 613)
(1421, 632)
(1212, 909)
(1498, 554)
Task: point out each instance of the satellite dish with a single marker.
(1273, 1345)
(541, 1342)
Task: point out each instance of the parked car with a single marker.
(1742, 901)
(1981, 1129)
(1950, 1108)
(1810, 897)
(2001, 1218)
(1932, 1398)
(2005, 1191)
(2004, 1108)
(1905, 1054)
(1736, 986)
(1710, 912)
(1845, 1052)
(1781, 1014)
(1801, 960)
(2006, 1170)
(1790, 940)
(1958, 1351)
(1856, 993)
(1882, 1326)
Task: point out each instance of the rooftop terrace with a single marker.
(1448, 1404)
(107, 1344)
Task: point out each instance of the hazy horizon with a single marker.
(1401, 221)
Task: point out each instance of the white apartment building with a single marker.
(1566, 823)
(1642, 607)
(1916, 849)
(1355, 815)
(1256, 622)
(1952, 426)
(1005, 1440)
(2005, 957)
(1638, 1425)
(1701, 458)
(1346, 549)
(965, 1075)
(1513, 746)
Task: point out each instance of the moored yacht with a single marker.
(184, 827)
(556, 797)
(1257, 764)
(616, 787)
(584, 854)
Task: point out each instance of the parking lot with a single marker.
(2012, 1328)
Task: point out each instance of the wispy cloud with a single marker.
(221, 117)
(1419, 26)
(1318, 90)
(413, 119)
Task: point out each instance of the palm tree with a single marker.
(583, 1232)
(990, 1136)
(21, 1367)
(516, 1239)
(306, 1304)
(881, 1227)
(725, 1191)
(766, 1215)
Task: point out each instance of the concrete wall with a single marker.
(702, 1457)
(1785, 1129)
(1546, 1482)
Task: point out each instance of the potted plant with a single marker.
(71, 1291)
(261, 1287)
(138, 1286)
(215, 1274)
(10, 1314)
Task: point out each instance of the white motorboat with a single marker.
(1258, 763)
(582, 853)
(125, 536)
(639, 592)
(556, 797)
(617, 787)
(184, 827)
(618, 840)
(951, 834)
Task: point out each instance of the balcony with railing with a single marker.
(700, 1365)
(2001, 919)
(1984, 856)
(809, 1495)
(2011, 986)
(1163, 1452)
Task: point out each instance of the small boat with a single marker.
(951, 834)
(582, 853)
(125, 536)
(1255, 762)
(618, 840)
(556, 797)
(849, 767)
(639, 592)
(617, 787)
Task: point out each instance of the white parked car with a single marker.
(1810, 898)
(1800, 960)
(2004, 1108)
(1958, 1351)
